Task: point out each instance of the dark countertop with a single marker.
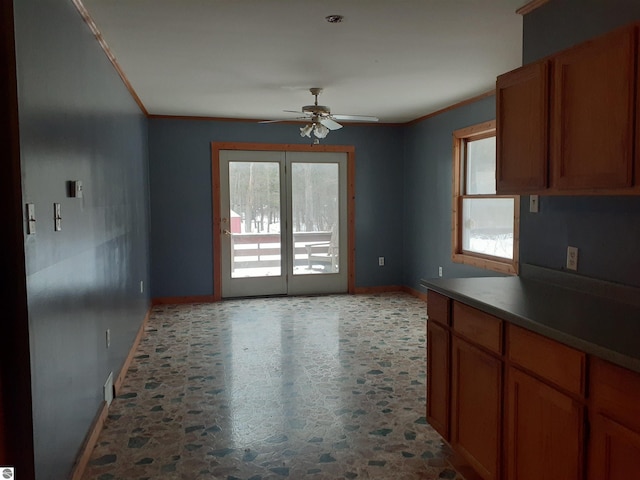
(602, 326)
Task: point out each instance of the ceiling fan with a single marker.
(321, 120)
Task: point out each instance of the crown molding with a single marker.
(452, 107)
(530, 6)
(86, 16)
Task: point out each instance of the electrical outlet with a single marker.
(534, 204)
(381, 261)
(572, 258)
(439, 271)
(108, 337)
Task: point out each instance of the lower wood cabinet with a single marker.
(516, 405)
(438, 362)
(438, 353)
(614, 446)
(614, 450)
(476, 392)
(544, 429)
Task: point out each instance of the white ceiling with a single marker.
(395, 59)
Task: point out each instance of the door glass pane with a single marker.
(481, 167)
(254, 200)
(315, 215)
(487, 226)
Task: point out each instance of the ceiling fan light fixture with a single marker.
(320, 131)
(320, 119)
(306, 130)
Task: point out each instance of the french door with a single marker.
(283, 222)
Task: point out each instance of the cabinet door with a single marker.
(593, 111)
(438, 354)
(614, 452)
(476, 386)
(522, 98)
(544, 431)
(614, 449)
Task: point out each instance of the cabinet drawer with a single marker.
(439, 307)
(557, 363)
(615, 391)
(478, 327)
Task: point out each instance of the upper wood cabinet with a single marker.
(522, 129)
(593, 113)
(566, 124)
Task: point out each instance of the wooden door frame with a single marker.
(280, 147)
(16, 421)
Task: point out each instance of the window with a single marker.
(485, 225)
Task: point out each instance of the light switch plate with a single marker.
(57, 218)
(31, 219)
(534, 205)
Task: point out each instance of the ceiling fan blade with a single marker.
(330, 123)
(298, 112)
(296, 119)
(271, 121)
(356, 118)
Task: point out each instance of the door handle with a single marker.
(227, 232)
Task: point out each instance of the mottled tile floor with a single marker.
(329, 387)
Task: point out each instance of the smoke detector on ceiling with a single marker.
(334, 18)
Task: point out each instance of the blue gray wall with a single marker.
(605, 229)
(418, 168)
(181, 196)
(77, 122)
(428, 195)
(560, 24)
